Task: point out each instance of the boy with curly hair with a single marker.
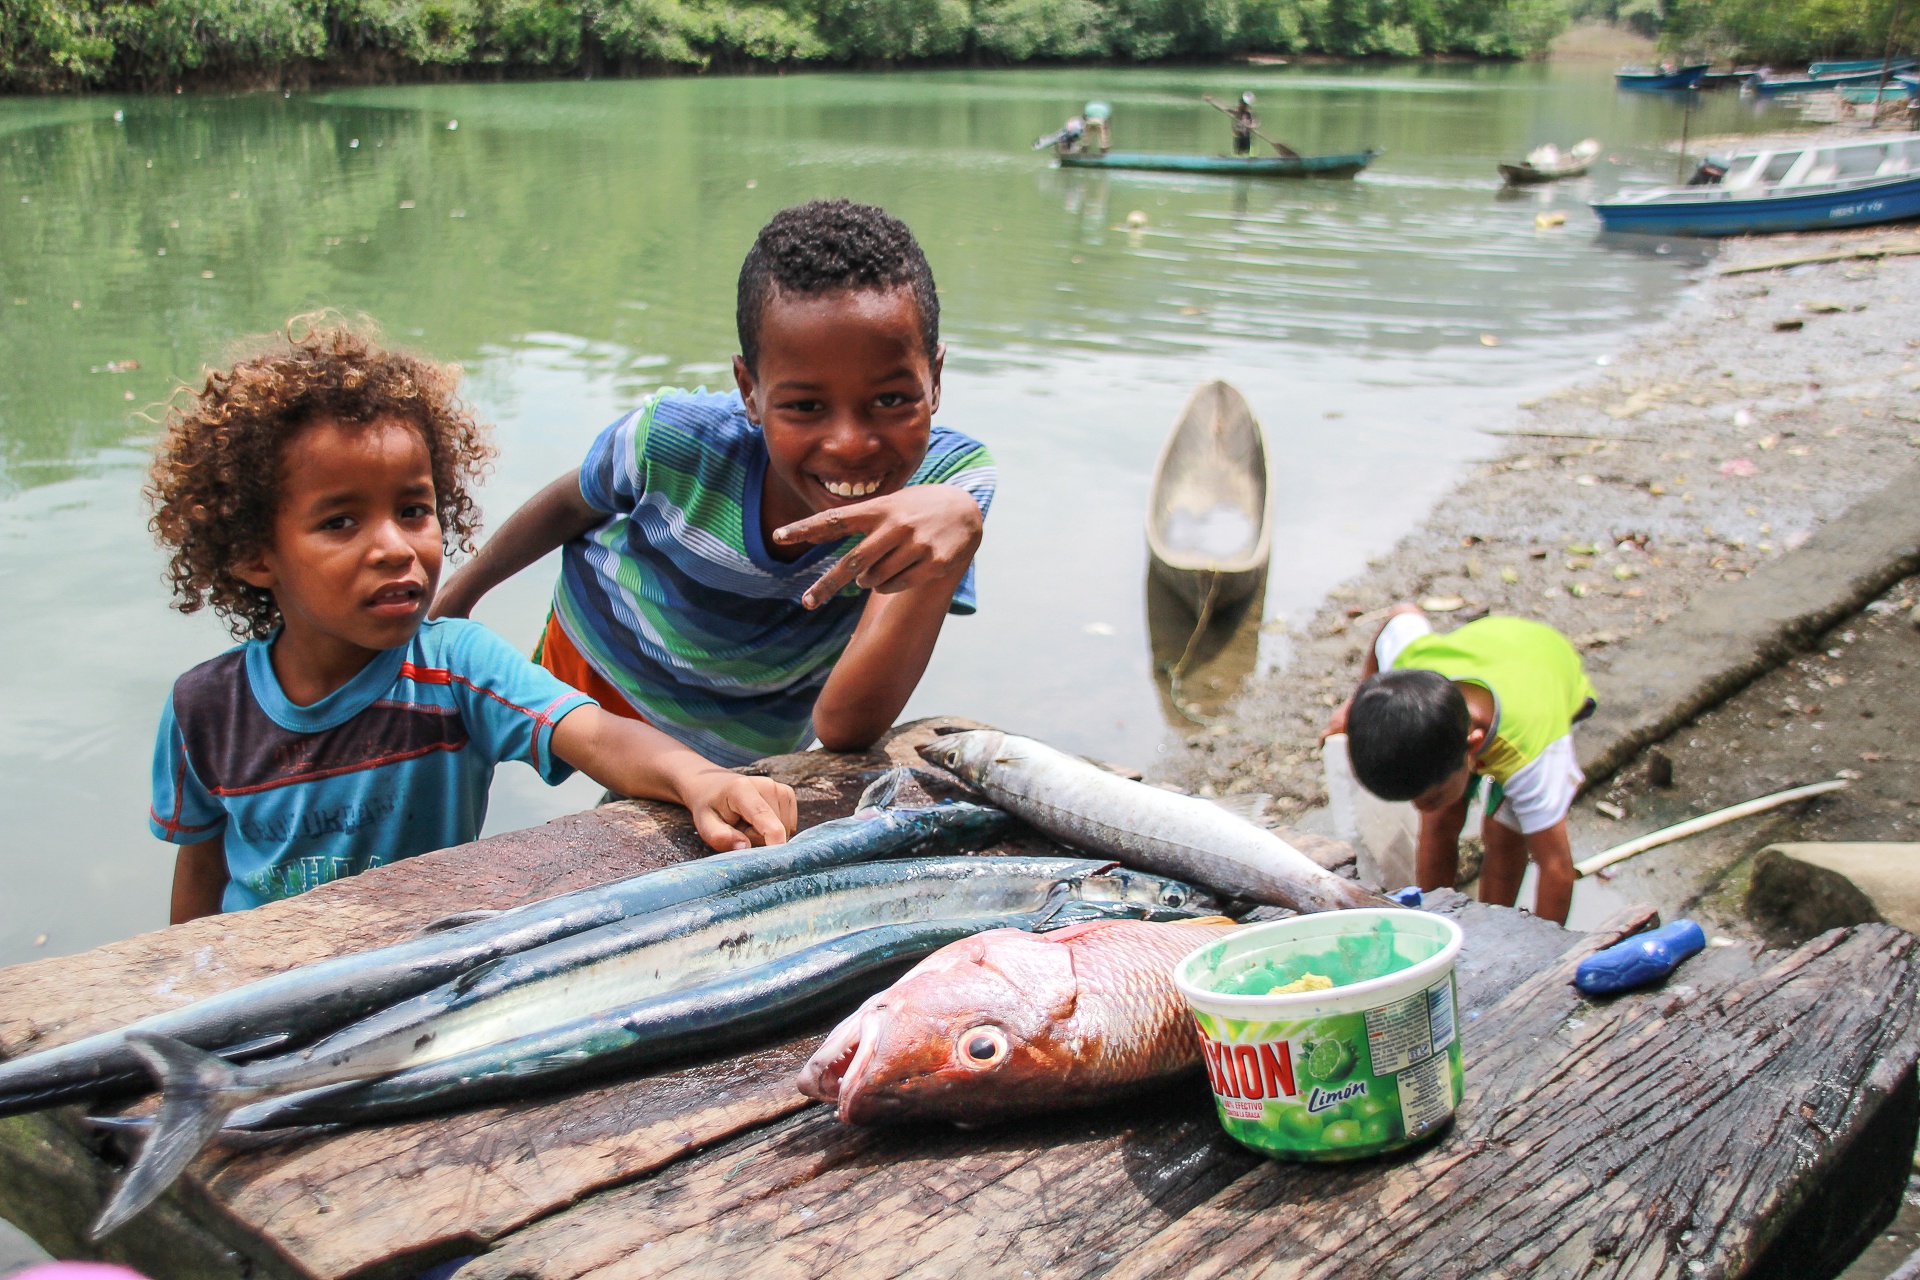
(308, 495)
(745, 571)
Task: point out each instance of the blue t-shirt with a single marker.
(678, 603)
(395, 762)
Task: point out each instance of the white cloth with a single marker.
(1540, 794)
(1401, 630)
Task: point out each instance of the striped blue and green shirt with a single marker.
(675, 599)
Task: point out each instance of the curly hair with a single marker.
(825, 245)
(216, 476)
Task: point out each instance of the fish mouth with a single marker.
(843, 1055)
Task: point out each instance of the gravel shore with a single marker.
(1766, 406)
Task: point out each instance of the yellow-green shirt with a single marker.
(1533, 672)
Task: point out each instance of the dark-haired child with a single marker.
(745, 571)
(1497, 700)
(308, 495)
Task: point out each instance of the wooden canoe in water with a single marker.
(1340, 166)
(1209, 527)
(1550, 164)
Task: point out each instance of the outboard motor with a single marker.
(1708, 174)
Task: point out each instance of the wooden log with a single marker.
(1669, 1134)
(1677, 1132)
(1071, 1194)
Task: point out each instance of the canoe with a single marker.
(1657, 81)
(1726, 79)
(1550, 164)
(1859, 64)
(1861, 94)
(1788, 188)
(1209, 525)
(1340, 166)
(1770, 87)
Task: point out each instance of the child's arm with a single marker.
(917, 547)
(551, 518)
(1337, 722)
(730, 811)
(1552, 851)
(199, 880)
(1436, 859)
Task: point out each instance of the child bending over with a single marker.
(748, 570)
(308, 495)
(1496, 700)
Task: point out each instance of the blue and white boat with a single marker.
(1808, 188)
(1660, 79)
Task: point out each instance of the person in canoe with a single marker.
(1244, 123)
(1492, 703)
(1096, 116)
(749, 569)
(308, 495)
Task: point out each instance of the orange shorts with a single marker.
(557, 653)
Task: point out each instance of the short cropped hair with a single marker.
(828, 245)
(1407, 732)
(216, 477)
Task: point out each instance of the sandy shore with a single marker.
(1766, 406)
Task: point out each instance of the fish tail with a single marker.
(883, 790)
(197, 1091)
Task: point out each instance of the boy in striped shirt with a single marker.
(747, 570)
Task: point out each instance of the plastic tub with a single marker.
(1369, 1065)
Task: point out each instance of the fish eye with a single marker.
(983, 1047)
(1173, 898)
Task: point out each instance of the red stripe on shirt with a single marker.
(443, 676)
(375, 763)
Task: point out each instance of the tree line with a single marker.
(64, 45)
(1783, 33)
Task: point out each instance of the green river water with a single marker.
(574, 246)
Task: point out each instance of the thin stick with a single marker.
(1562, 435)
(1885, 249)
(1705, 822)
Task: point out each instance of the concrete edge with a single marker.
(1733, 633)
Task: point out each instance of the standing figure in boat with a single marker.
(1095, 133)
(1244, 123)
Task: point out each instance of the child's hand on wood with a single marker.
(922, 534)
(733, 812)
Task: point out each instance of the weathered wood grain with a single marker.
(1667, 1134)
(1070, 1195)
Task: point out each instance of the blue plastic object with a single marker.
(1409, 896)
(1642, 959)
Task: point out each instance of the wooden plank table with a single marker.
(1756, 1116)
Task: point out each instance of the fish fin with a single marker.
(883, 790)
(192, 1109)
(454, 921)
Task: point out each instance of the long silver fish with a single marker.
(607, 969)
(292, 1008)
(1142, 826)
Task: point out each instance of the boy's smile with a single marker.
(844, 394)
(355, 553)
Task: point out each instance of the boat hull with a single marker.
(1813, 84)
(1526, 175)
(1338, 166)
(1215, 458)
(1860, 64)
(1660, 81)
(1892, 201)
